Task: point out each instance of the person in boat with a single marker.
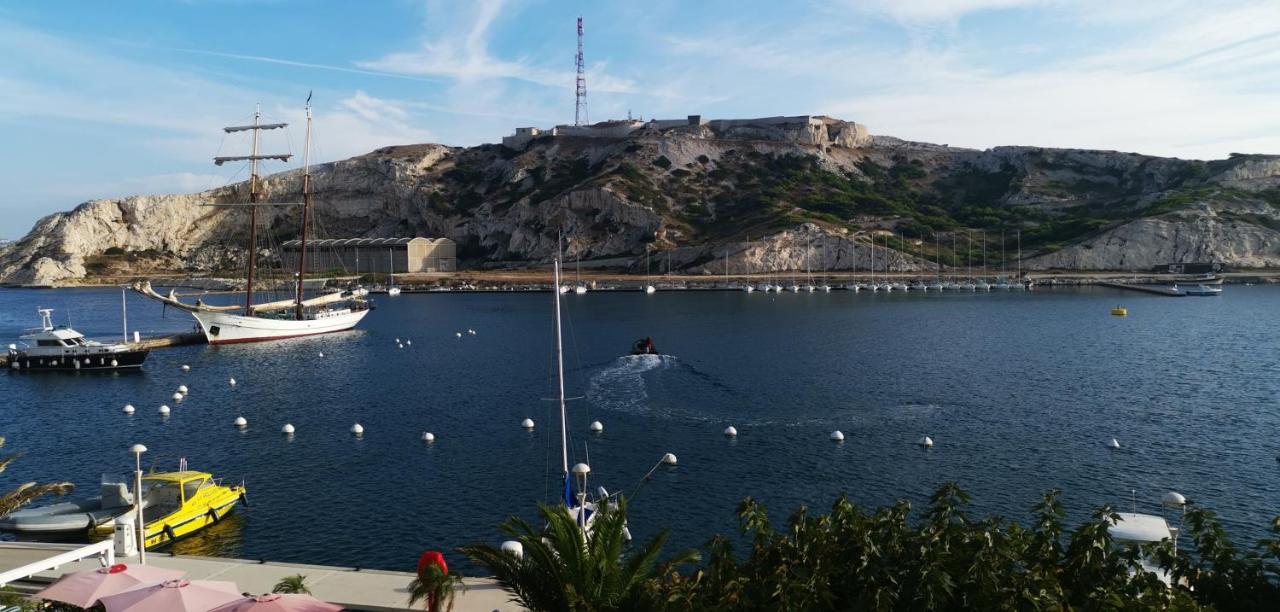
(644, 346)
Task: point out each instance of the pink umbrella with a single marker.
(275, 602)
(85, 588)
(174, 596)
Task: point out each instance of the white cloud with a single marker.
(155, 184)
(931, 11)
(456, 46)
(361, 123)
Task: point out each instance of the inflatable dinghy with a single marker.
(72, 516)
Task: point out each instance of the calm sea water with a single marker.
(1019, 391)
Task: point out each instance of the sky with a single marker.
(108, 99)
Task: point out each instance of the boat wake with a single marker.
(621, 386)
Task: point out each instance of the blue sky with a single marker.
(105, 99)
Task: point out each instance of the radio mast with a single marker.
(580, 93)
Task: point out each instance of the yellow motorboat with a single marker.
(179, 504)
(1119, 311)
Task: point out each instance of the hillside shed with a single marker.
(375, 255)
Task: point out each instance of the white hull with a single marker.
(227, 328)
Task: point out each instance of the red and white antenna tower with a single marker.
(580, 93)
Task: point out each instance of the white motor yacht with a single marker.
(51, 347)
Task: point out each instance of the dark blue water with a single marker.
(1019, 391)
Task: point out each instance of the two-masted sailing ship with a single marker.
(279, 319)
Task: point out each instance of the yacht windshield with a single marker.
(164, 497)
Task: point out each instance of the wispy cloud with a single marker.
(462, 52)
(299, 64)
(933, 11)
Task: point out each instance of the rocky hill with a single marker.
(752, 201)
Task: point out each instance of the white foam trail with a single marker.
(621, 386)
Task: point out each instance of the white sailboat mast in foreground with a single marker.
(577, 505)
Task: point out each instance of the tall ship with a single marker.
(278, 319)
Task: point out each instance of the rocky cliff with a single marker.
(707, 201)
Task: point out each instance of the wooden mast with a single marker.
(253, 192)
(253, 215)
(306, 208)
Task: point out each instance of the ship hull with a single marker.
(116, 360)
(226, 328)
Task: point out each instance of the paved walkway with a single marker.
(363, 589)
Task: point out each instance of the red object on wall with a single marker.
(432, 557)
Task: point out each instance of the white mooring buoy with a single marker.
(1173, 499)
(408, 342)
(241, 421)
(322, 353)
(1113, 444)
(177, 397)
(397, 341)
(128, 408)
(513, 548)
(669, 459)
(458, 334)
(731, 431)
(925, 442)
(527, 423)
(186, 368)
(182, 389)
(428, 436)
(287, 429)
(357, 429)
(164, 410)
(232, 382)
(837, 436)
(597, 426)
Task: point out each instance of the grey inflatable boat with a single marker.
(73, 516)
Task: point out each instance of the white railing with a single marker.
(104, 550)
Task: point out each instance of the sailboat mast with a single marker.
(937, 256)
(306, 209)
(1019, 255)
(253, 214)
(564, 422)
(968, 254)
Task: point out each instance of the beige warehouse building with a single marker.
(375, 255)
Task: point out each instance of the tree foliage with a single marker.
(296, 584)
(886, 559)
(563, 569)
(26, 492)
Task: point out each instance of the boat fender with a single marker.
(168, 533)
(213, 515)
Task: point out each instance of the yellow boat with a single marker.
(1119, 311)
(181, 503)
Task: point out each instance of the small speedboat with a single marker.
(643, 346)
(51, 347)
(73, 517)
(178, 504)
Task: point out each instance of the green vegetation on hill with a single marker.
(1048, 198)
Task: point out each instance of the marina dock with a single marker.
(193, 337)
(1154, 289)
(352, 588)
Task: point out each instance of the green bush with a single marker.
(886, 559)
